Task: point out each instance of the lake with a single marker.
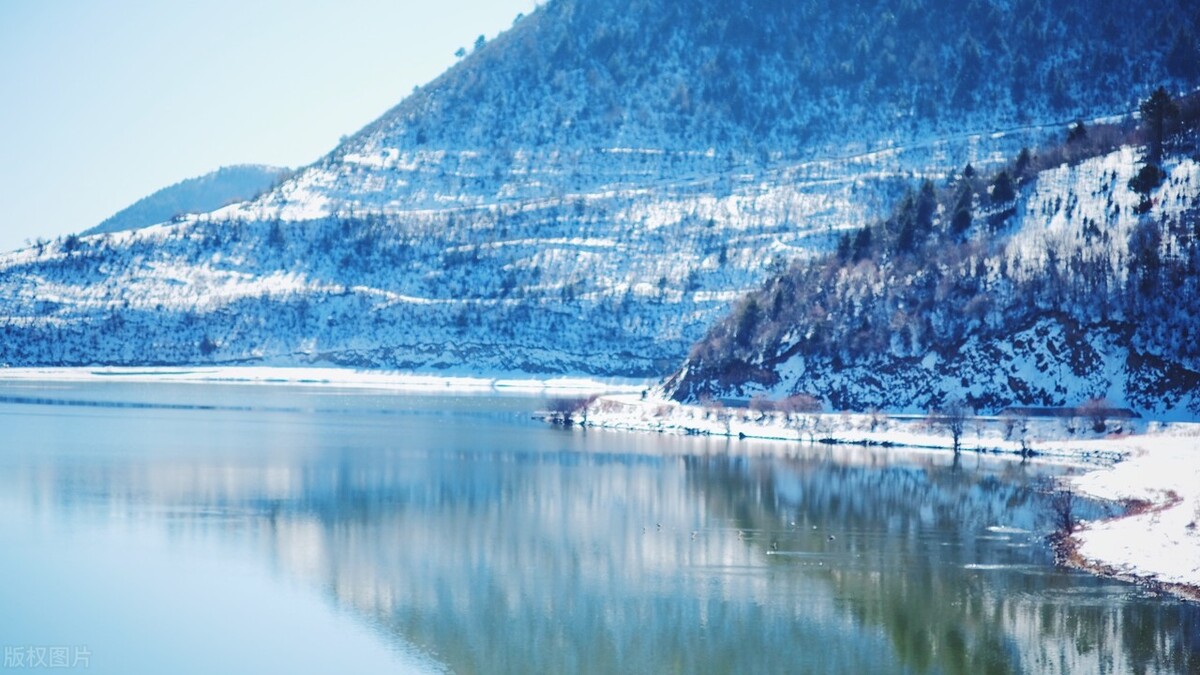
(152, 528)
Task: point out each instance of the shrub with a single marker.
(800, 403)
(1147, 179)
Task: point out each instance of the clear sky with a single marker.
(106, 102)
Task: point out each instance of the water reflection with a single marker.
(496, 545)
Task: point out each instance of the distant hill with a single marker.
(195, 195)
(1073, 274)
(589, 191)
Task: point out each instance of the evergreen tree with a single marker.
(961, 219)
(1077, 132)
(926, 206)
(1147, 179)
(275, 236)
(906, 240)
(844, 247)
(1003, 189)
(903, 223)
(862, 244)
(1156, 110)
(72, 243)
(747, 322)
(1024, 161)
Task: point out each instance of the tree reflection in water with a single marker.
(498, 545)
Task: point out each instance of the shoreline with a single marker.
(1066, 553)
(344, 378)
(1156, 543)
(1150, 467)
(1042, 439)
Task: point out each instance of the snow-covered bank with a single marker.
(331, 377)
(1154, 467)
(1041, 437)
(1159, 542)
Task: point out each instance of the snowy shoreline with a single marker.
(326, 377)
(1153, 468)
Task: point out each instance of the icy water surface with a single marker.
(206, 528)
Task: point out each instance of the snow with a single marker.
(1162, 542)
(1080, 212)
(327, 377)
(1066, 199)
(565, 260)
(1047, 437)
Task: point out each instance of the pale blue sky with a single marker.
(106, 102)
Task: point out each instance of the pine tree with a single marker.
(1002, 188)
(844, 247)
(862, 244)
(1156, 110)
(1147, 179)
(926, 206)
(1024, 161)
(903, 223)
(906, 240)
(275, 236)
(747, 322)
(1077, 132)
(961, 219)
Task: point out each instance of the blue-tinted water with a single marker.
(204, 528)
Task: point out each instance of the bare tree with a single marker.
(876, 418)
(822, 428)
(953, 418)
(800, 403)
(1063, 503)
(1023, 437)
(761, 404)
(1010, 424)
(1096, 411)
(1016, 427)
(568, 411)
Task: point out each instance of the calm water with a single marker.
(203, 529)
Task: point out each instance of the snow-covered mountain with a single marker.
(227, 185)
(1083, 283)
(589, 191)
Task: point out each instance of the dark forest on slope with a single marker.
(939, 278)
(761, 73)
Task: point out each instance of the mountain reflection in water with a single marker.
(494, 544)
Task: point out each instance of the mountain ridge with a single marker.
(566, 212)
(200, 194)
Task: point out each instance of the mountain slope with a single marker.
(589, 191)
(202, 194)
(781, 76)
(1073, 287)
